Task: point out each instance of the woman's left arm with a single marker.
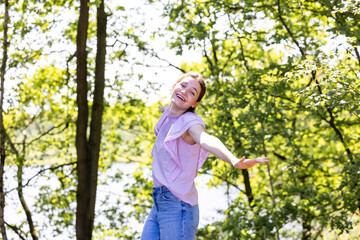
(215, 146)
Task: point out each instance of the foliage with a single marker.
(40, 115)
(296, 103)
(276, 87)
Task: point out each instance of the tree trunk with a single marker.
(2, 128)
(357, 54)
(83, 220)
(248, 190)
(98, 105)
(88, 151)
(22, 199)
(305, 219)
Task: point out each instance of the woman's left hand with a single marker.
(248, 163)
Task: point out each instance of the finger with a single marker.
(262, 160)
(242, 159)
(257, 160)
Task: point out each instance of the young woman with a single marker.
(181, 148)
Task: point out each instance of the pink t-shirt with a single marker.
(175, 162)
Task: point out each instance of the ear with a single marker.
(195, 105)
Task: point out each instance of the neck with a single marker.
(174, 111)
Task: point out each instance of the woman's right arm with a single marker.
(163, 108)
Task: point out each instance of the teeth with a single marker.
(180, 97)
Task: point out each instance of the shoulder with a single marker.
(190, 119)
(194, 127)
(190, 116)
(182, 125)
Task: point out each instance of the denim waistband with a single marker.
(161, 189)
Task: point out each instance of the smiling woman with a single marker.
(181, 148)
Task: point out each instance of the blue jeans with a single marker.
(170, 218)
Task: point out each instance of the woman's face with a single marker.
(186, 93)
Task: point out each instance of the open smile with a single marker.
(180, 97)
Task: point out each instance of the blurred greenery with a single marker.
(282, 79)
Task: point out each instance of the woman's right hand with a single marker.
(163, 108)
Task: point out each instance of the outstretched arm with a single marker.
(216, 147)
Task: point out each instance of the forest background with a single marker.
(81, 83)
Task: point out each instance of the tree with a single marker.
(273, 90)
(2, 129)
(40, 118)
(88, 150)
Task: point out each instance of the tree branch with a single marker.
(169, 63)
(227, 181)
(41, 171)
(288, 30)
(50, 130)
(16, 230)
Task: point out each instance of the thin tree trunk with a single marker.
(88, 151)
(82, 196)
(22, 200)
(270, 176)
(357, 54)
(248, 190)
(245, 174)
(2, 128)
(98, 106)
(20, 162)
(305, 221)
